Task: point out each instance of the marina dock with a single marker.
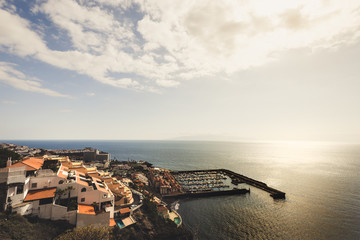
(199, 181)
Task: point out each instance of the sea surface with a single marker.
(321, 181)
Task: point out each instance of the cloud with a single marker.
(17, 38)
(10, 76)
(8, 102)
(159, 44)
(294, 19)
(89, 27)
(90, 94)
(167, 83)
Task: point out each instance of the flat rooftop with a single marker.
(86, 209)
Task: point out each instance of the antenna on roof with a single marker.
(8, 163)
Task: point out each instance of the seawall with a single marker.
(206, 194)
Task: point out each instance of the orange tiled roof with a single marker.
(81, 175)
(91, 169)
(61, 172)
(31, 164)
(20, 164)
(95, 178)
(66, 163)
(162, 208)
(108, 180)
(124, 210)
(94, 175)
(40, 194)
(86, 209)
(78, 180)
(35, 162)
(102, 189)
(78, 169)
(112, 222)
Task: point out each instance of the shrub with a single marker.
(88, 232)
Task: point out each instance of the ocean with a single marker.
(321, 181)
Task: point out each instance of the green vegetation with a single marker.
(42, 153)
(15, 227)
(51, 164)
(5, 154)
(130, 233)
(150, 225)
(96, 207)
(149, 208)
(18, 227)
(58, 193)
(73, 204)
(70, 203)
(87, 232)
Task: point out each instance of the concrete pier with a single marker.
(206, 194)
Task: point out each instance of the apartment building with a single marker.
(75, 192)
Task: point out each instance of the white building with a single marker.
(69, 194)
(14, 186)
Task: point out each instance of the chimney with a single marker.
(8, 163)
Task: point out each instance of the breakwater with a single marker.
(206, 193)
(238, 178)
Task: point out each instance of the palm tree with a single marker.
(96, 207)
(58, 193)
(68, 190)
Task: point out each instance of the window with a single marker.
(20, 189)
(61, 181)
(83, 190)
(82, 200)
(45, 201)
(34, 185)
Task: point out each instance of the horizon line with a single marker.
(194, 140)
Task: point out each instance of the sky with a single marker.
(281, 70)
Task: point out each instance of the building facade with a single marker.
(74, 192)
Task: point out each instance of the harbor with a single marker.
(201, 181)
(210, 182)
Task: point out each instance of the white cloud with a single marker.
(91, 94)
(180, 39)
(17, 37)
(89, 27)
(167, 83)
(8, 102)
(10, 76)
(8, 5)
